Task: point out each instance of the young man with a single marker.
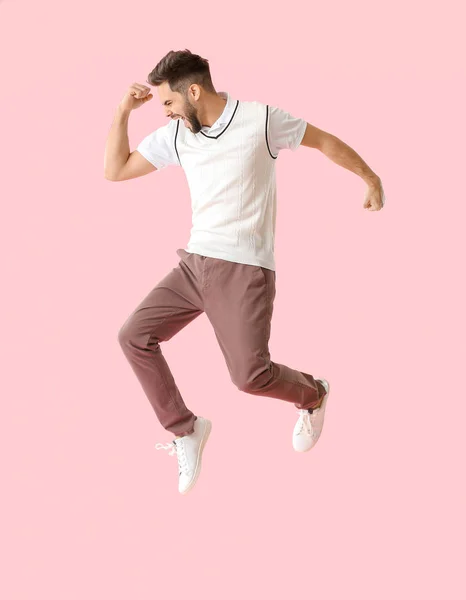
(227, 149)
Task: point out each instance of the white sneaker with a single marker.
(309, 425)
(188, 449)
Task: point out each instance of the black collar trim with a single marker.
(214, 137)
(176, 135)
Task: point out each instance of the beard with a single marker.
(192, 121)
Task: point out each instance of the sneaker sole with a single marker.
(199, 458)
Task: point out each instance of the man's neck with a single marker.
(215, 110)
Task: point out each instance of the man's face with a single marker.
(176, 106)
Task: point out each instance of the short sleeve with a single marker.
(285, 130)
(158, 147)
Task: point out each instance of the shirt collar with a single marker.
(226, 114)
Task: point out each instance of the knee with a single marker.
(253, 383)
(240, 384)
(124, 335)
(133, 337)
(127, 335)
(240, 381)
(247, 385)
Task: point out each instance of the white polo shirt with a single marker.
(230, 169)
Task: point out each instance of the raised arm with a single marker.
(119, 163)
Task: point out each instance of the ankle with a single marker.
(309, 410)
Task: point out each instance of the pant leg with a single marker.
(238, 301)
(171, 305)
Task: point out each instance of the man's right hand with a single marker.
(136, 95)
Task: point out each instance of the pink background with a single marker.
(372, 301)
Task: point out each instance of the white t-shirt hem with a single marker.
(146, 155)
(299, 137)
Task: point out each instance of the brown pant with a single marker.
(238, 301)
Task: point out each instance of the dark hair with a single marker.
(181, 69)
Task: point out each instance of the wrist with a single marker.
(372, 180)
(123, 112)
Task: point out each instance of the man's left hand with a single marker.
(375, 196)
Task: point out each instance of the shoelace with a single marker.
(178, 449)
(304, 422)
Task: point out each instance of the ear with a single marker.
(194, 91)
